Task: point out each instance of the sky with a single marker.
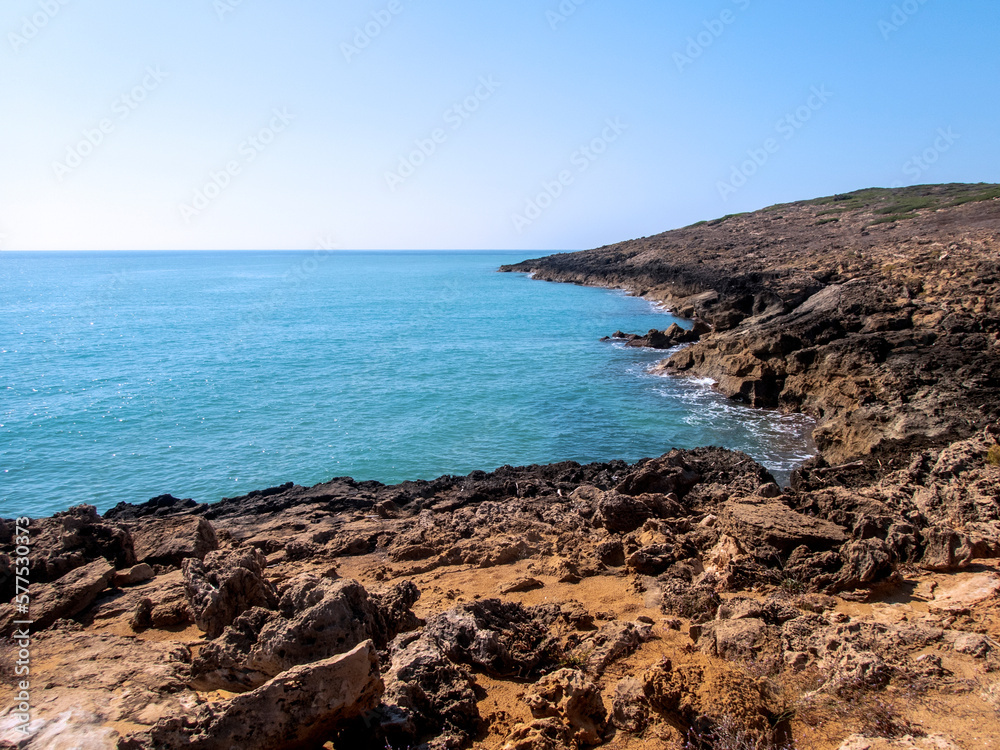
(459, 124)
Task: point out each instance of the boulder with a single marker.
(76, 537)
(425, 694)
(745, 639)
(565, 705)
(866, 561)
(323, 617)
(776, 525)
(66, 597)
(505, 639)
(945, 549)
(629, 711)
(623, 513)
(225, 585)
(317, 618)
(136, 574)
(174, 539)
(612, 642)
(711, 700)
(298, 709)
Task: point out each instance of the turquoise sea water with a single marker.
(128, 375)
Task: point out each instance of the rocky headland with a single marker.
(684, 601)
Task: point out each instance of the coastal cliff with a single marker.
(684, 601)
(875, 312)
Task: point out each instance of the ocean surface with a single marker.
(124, 376)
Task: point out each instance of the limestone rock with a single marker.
(174, 539)
(502, 638)
(426, 694)
(777, 525)
(299, 708)
(76, 537)
(566, 706)
(136, 574)
(945, 549)
(630, 712)
(225, 585)
(66, 597)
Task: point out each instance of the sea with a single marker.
(128, 375)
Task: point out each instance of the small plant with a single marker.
(993, 456)
(792, 586)
(573, 660)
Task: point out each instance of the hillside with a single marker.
(876, 312)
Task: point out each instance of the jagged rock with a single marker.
(668, 475)
(299, 708)
(323, 617)
(74, 538)
(629, 711)
(745, 639)
(426, 695)
(973, 644)
(866, 561)
(570, 699)
(174, 539)
(771, 611)
(318, 618)
(612, 642)
(541, 734)
(776, 525)
(945, 549)
(696, 602)
(66, 597)
(623, 513)
(162, 505)
(710, 698)
(225, 585)
(503, 638)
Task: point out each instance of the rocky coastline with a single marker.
(683, 601)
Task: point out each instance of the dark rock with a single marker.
(426, 695)
(505, 639)
(163, 505)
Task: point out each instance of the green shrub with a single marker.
(993, 456)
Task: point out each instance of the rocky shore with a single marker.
(684, 601)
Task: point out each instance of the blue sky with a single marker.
(547, 125)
